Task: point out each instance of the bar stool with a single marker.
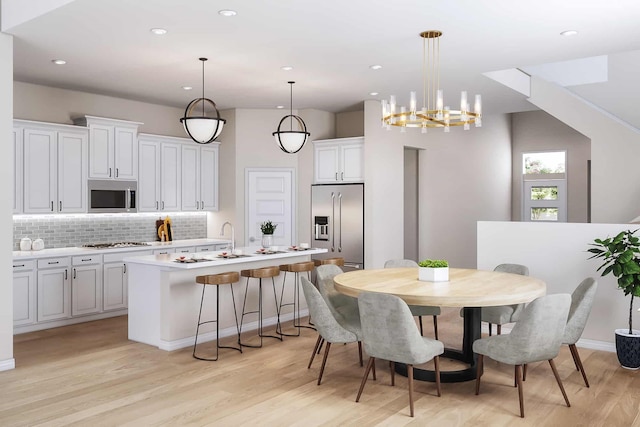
(296, 269)
(260, 273)
(335, 261)
(217, 280)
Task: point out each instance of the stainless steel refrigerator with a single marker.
(337, 220)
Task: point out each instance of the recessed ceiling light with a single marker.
(59, 61)
(158, 31)
(187, 87)
(373, 93)
(280, 107)
(227, 12)
(569, 33)
(375, 67)
(286, 68)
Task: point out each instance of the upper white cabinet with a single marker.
(54, 168)
(17, 169)
(338, 160)
(199, 177)
(159, 182)
(113, 148)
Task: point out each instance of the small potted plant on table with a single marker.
(621, 255)
(433, 270)
(267, 228)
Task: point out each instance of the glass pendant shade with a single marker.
(291, 141)
(201, 128)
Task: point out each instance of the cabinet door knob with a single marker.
(52, 206)
(60, 205)
(74, 273)
(117, 172)
(109, 172)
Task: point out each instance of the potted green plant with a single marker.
(621, 255)
(267, 228)
(433, 270)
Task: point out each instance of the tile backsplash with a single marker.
(75, 230)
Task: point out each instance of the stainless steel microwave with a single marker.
(110, 196)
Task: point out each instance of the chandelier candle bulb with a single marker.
(439, 104)
(412, 105)
(464, 106)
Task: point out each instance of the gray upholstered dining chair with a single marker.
(327, 326)
(343, 307)
(503, 314)
(390, 333)
(581, 303)
(537, 336)
(417, 310)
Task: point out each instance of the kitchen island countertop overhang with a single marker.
(164, 298)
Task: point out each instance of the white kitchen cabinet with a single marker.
(17, 169)
(54, 289)
(186, 250)
(159, 183)
(199, 177)
(24, 293)
(338, 160)
(86, 285)
(55, 172)
(113, 148)
(211, 248)
(115, 280)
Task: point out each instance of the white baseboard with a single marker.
(226, 332)
(8, 364)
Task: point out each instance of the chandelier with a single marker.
(202, 128)
(433, 113)
(291, 141)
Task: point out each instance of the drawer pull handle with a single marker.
(86, 259)
(53, 262)
(18, 265)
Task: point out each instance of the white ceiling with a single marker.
(331, 43)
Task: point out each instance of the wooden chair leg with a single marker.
(579, 363)
(436, 362)
(370, 363)
(360, 352)
(410, 378)
(555, 373)
(515, 375)
(520, 396)
(435, 326)
(392, 367)
(479, 372)
(489, 329)
(499, 327)
(420, 320)
(524, 372)
(324, 361)
(573, 354)
(373, 368)
(320, 346)
(313, 355)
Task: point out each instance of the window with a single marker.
(544, 186)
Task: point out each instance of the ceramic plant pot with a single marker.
(429, 274)
(628, 348)
(267, 241)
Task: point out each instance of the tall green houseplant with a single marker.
(621, 255)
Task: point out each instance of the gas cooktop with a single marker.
(114, 245)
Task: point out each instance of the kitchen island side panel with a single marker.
(144, 303)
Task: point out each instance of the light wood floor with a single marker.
(91, 375)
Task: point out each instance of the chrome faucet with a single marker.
(233, 235)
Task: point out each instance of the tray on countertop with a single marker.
(270, 252)
(191, 260)
(231, 256)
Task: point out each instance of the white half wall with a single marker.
(557, 253)
(6, 176)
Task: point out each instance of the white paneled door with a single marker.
(270, 196)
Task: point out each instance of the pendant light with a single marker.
(200, 128)
(291, 141)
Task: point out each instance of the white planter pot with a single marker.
(429, 274)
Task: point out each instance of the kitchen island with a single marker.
(164, 298)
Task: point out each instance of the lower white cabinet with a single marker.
(114, 296)
(164, 251)
(24, 293)
(209, 248)
(86, 285)
(54, 289)
(186, 250)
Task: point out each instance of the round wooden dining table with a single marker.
(466, 288)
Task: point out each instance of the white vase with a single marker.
(267, 241)
(25, 244)
(430, 274)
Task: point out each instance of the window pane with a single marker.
(535, 163)
(544, 193)
(544, 214)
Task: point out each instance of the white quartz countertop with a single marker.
(214, 259)
(45, 253)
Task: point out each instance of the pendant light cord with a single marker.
(203, 61)
(291, 106)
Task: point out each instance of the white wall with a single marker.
(6, 176)
(557, 253)
(464, 177)
(615, 150)
(538, 131)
